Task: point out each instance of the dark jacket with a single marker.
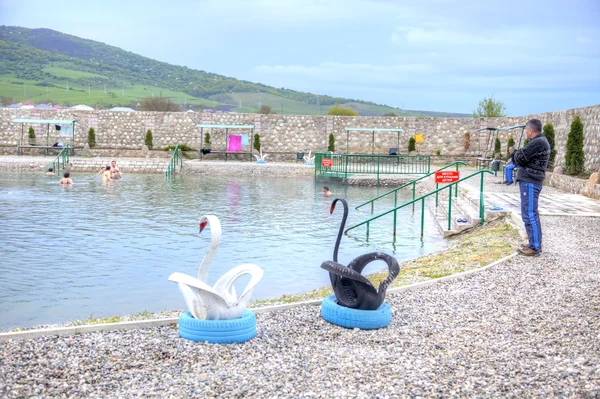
(532, 160)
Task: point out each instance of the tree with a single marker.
(160, 104)
(575, 158)
(497, 146)
(148, 139)
(331, 145)
(510, 143)
(91, 138)
(257, 142)
(488, 108)
(549, 133)
(341, 111)
(390, 114)
(207, 140)
(412, 145)
(31, 135)
(265, 109)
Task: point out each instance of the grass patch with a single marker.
(472, 250)
(100, 320)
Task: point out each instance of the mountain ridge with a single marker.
(53, 60)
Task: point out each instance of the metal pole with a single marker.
(481, 203)
(347, 138)
(373, 144)
(450, 207)
(422, 216)
(226, 142)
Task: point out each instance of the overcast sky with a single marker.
(440, 55)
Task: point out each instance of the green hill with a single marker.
(44, 65)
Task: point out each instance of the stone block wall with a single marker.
(287, 134)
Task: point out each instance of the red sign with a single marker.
(447, 176)
(326, 162)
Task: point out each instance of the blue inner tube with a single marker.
(218, 331)
(355, 318)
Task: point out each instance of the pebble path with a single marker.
(527, 328)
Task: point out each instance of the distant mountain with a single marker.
(46, 65)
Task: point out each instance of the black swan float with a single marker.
(352, 290)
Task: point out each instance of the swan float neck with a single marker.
(342, 225)
(215, 240)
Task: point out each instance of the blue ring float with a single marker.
(218, 331)
(355, 318)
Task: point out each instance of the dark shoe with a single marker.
(528, 252)
(524, 246)
(508, 183)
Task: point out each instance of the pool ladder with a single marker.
(175, 160)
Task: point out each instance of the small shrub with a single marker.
(207, 140)
(31, 133)
(438, 153)
(467, 141)
(549, 133)
(256, 144)
(412, 145)
(575, 158)
(331, 145)
(91, 138)
(509, 143)
(497, 146)
(390, 114)
(182, 147)
(341, 111)
(148, 139)
(265, 110)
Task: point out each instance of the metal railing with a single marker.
(344, 165)
(61, 158)
(413, 183)
(174, 161)
(422, 199)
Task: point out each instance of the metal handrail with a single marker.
(63, 156)
(175, 159)
(344, 165)
(413, 182)
(422, 199)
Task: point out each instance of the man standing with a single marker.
(532, 161)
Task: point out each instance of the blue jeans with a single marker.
(530, 194)
(508, 172)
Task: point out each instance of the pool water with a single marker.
(101, 249)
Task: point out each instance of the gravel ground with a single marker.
(527, 328)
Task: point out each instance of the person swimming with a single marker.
(66, 180)
(106, 175)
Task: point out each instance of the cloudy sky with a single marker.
(435, 55)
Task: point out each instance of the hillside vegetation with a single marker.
(46, 65)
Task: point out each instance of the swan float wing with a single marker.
(212, 302)
(224, 285)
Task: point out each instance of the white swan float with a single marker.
(308, 160)
(261, 158)
(219, 302)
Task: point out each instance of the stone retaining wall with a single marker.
(573, 185)
(288, 134)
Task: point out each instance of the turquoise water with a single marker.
(97, 250)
